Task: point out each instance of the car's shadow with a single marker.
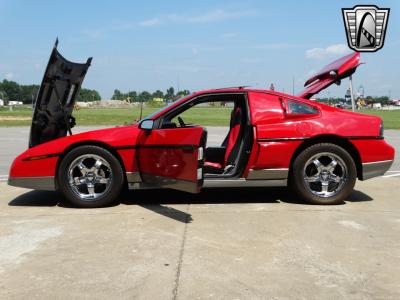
(158, 200)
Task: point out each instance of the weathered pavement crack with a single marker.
(181, 252)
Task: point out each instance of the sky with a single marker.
(195, 45)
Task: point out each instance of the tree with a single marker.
(11, 90)
(144, 96)
(132, 96)
(183, 93)
(117, 95)
(170, 94)
(383, 100)
(86, 95)
(158, 94)
(28, 93)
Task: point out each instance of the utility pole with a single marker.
(353, 105)
(177, 83)
(293, 86)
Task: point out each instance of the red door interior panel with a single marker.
(169, 157)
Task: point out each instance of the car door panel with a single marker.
(170, 158)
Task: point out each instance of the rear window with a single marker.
(299, 108)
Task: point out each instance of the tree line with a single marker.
(384, 100)
(145, 96)
(12, 91)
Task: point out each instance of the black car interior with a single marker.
(230, 158)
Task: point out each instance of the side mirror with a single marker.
(146, 124)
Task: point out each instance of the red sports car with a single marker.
(274, 139)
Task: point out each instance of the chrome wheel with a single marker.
(90, 176)
(325, 174)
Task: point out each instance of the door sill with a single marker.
(242, 182)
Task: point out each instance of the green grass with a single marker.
(391, 118)
(210, 116)
(20, 116)
(120, 116)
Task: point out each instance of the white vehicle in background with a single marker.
(15, 103)
(1, 102)
(377, 105)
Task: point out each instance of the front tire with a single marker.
(323, 173)
(90, 176)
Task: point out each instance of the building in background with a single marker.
(347, 97)
(395, 102)
(360, 92)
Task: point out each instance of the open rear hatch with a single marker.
(52, 115)
(332, 73)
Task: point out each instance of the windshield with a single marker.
(150, 116)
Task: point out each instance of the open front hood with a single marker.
(52, 116)
(334, 72)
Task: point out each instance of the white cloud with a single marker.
(150, 22)
(9, 76)
(207, 17)
(332, 50)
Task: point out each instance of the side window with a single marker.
(206, 113)
(296, 108)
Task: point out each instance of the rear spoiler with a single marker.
(332, 73)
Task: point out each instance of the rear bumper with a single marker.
(46, 183)
(376, 168)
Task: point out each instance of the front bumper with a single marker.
(376, 168)
(46, 183)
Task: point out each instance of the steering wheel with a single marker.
(180, 120)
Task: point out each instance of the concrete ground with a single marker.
(220, 244)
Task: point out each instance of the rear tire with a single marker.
(90, 176)
(323, 173)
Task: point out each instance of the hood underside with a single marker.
(52, 115)
(332, 73)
